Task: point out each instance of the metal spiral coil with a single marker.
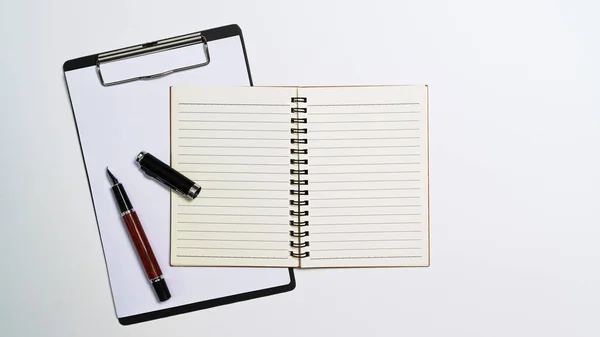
(298, 191)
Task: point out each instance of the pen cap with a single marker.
(167, 175)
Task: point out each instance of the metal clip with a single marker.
(149, 48)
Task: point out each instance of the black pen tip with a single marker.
(111, 177)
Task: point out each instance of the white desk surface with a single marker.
(514, 164)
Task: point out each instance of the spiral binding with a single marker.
(298, 181)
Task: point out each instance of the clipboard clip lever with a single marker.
(149, 48)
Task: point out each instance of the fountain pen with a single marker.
(139, 239)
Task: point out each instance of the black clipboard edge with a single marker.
(187, 308)
(212, 34)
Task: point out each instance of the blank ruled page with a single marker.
(235, 143)
(368, 176)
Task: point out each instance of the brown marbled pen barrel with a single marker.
(139, 239)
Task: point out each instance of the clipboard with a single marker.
(120, 105)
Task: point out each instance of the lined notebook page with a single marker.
(368, 176)
(235, 143)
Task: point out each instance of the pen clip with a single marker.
(156, 177)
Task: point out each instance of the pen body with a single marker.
(142, 245)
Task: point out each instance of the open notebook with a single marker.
(301, 176)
